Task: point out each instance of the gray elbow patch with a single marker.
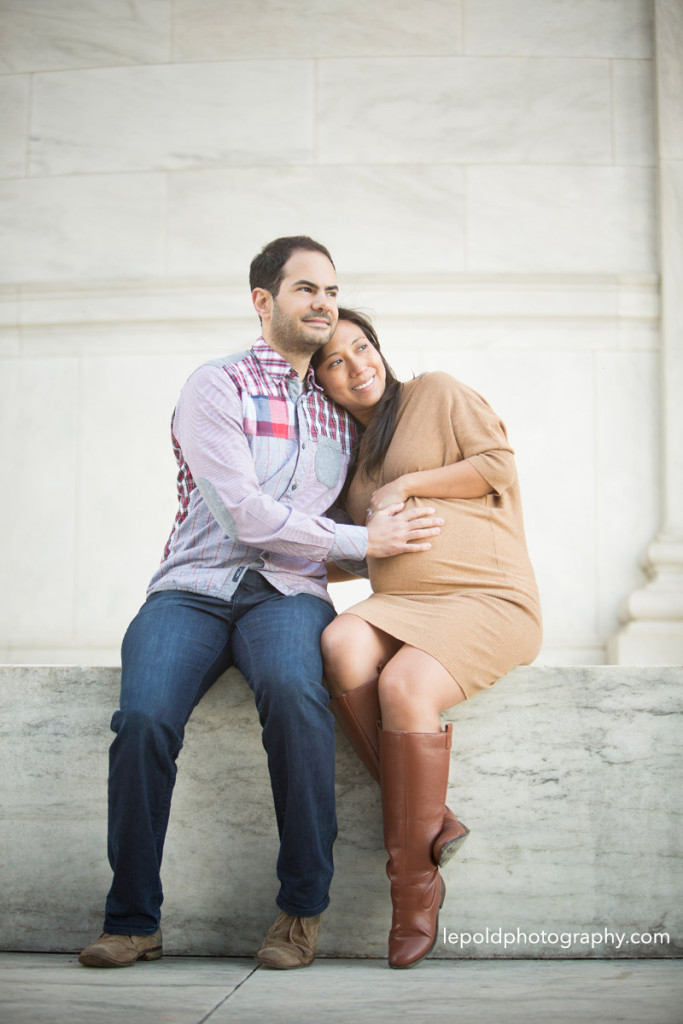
(217, 508)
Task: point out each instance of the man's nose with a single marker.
(324, 301)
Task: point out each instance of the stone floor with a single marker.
(52, 988)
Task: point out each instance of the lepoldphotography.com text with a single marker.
(545, 938)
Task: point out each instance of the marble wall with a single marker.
(575, 829)
(484, 175)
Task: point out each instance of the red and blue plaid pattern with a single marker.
(261, 379)
(184, 487)
(269, 417)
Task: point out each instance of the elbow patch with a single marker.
(217, 508)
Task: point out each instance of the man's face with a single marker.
(303, 314)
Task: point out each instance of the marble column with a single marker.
(653, 615)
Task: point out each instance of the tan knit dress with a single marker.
(471, 601)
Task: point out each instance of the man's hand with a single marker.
(395, 530)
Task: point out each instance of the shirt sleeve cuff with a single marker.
(350, 542)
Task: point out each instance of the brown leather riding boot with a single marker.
(358, 714)
(414, 779)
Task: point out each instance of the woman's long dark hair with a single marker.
(376, 438)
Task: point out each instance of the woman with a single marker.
(441, 624)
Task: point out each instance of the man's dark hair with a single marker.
(267, 269)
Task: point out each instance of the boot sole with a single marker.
(449, 850)
(413, 963)
(283, 967)
(92, 960)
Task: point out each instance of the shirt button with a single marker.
(294, 487)
(303, 446)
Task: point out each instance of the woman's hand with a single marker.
(394, 493)
(395, 530)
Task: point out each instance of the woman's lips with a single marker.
(366, 385)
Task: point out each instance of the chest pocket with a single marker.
(328, 461)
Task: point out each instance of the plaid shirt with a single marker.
(260, 461)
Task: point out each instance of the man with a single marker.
(262, 455)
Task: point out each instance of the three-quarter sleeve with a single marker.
(480, 434)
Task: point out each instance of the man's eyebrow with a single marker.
(311, 284)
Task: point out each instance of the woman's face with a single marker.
(351, 371)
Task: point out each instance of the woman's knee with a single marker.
(413, 690)
(395, 689)
(334, 639)
(349, 653)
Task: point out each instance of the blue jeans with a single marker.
(174, 650)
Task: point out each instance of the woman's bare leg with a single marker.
(413, 689)
(354, 652)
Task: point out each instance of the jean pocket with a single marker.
(328, 460)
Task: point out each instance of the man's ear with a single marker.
(263, 303)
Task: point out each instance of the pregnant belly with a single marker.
(465, 554)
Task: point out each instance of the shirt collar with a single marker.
(278, 367)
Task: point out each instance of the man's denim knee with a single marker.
(138, 730)
(290, 695)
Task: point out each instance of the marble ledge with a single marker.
(547, 769)
(482, 296)
(553, 655)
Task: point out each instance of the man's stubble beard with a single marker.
(289, 335)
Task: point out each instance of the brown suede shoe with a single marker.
(290, 942)
(122, 950)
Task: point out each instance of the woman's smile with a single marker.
(352, 372)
